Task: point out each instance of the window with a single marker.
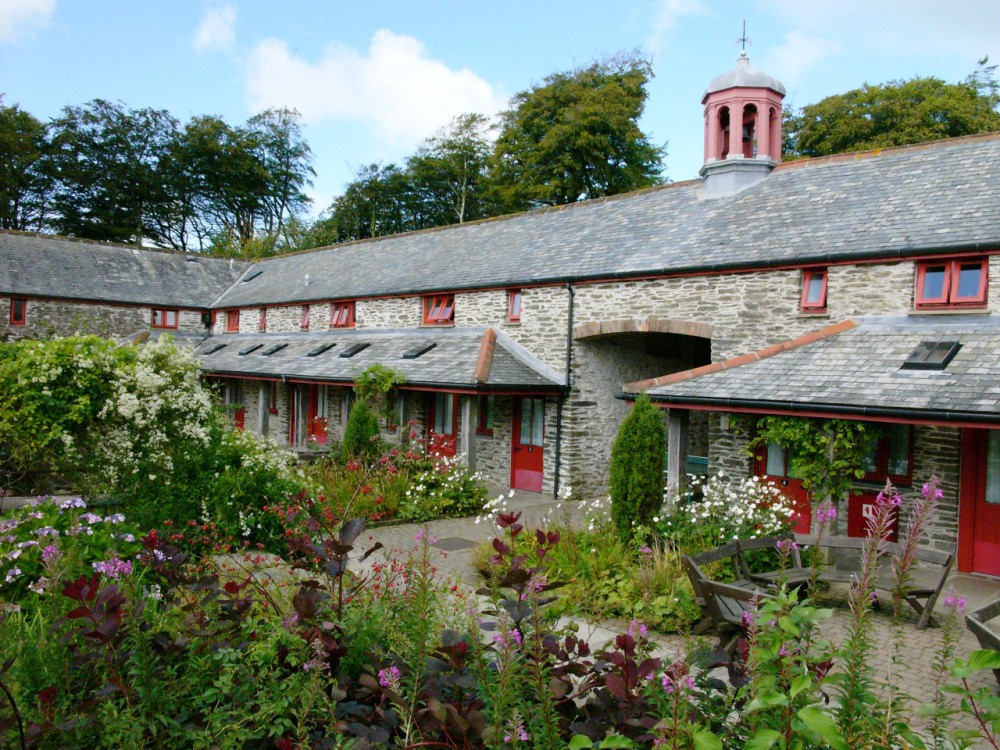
(485, 426)
(891, 455)
(305, 318)
(444, 414)
(262, 325)
(439, 310)
(814, 290)
(342, 315)
(514, 306)
(951, 283)
(164, 318)
(233, 321)
(18, 311)
(932, 355)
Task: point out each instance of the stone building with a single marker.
(761, 288)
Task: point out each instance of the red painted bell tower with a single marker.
(742, 128)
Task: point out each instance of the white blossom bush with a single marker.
(719, 509)
(446, 489)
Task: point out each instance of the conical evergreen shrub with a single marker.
(636, 481)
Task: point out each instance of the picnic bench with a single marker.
(723, 605)
(977, 621)
(922, 594)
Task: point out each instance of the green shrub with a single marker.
(446, 489)
(636, 481)
(361, 436)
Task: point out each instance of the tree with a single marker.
(449, 173)
(576, 136)
(636, 480)
(24, 187)
(105, 160)
(375, 203)
(894, 114)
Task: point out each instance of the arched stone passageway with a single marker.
(608, 354)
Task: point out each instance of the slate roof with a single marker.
(855, 370)
(453, 362)
(47, 266)
(933, 198)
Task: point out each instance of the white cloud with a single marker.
(18, 16)
(666, 15)
(216, 30)
(797, 54)
(396, 88)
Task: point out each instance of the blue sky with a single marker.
(374, 79)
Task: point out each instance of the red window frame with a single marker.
(232, 321)
(514, 304)
(304, 325)
(342, 315)
(262, 324)
(810, 275)
(949, 296)
(881, 453)
(18, 317)
(439, 310)
(485, 424)
(165, 313)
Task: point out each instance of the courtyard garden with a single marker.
(208, 593)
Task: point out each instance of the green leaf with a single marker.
(789, 625)
(580, 742)
(764, 739)
(768, 699)
(823, 724)
(705, 740)
(800, 683)
(615, 741)
(985, 659)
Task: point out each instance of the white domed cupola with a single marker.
(742, 128)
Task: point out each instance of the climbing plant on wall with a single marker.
(827, 454)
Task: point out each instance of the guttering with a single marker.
(873, 413)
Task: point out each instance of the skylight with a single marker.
(354, 349)
(214, 349)
(419, 350)
(931, 355)
(321, 349)
(251, 276)
(250, 349)
(273, 350)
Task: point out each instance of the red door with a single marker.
(316, 424)
(776, 465)
(442, 424)
(861, 508)
(526, 461)
(979, 503)
(234, 400)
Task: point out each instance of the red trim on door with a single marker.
(527, 457)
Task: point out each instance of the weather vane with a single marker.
(744, 39)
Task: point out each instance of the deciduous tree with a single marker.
(24, 187)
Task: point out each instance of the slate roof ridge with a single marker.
(126, 246)
(849, 156)
(768, 351)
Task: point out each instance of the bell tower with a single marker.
(742, 129)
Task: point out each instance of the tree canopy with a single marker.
(576, 136)
(895, 113)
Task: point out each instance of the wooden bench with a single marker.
(722, 604)
(977, 620)
(925, 586)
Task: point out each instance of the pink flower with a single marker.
(114, 568)
(49, 552)
(389, 678)
(953, 601)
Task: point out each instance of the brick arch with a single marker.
(642, 325)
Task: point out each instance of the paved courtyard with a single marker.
(912, 673)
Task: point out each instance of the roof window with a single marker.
(419, 350)
(214, 349)
(251, 276)
(932, 355)
(273, 350)
(321, 349)
(250, 349)
(354, 349)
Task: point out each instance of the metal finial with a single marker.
(744, 39)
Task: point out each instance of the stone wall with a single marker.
(393, 312)
(48, 318)
(937, 452)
